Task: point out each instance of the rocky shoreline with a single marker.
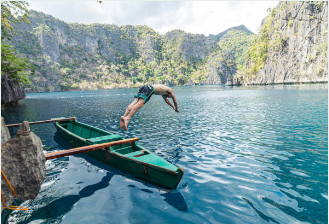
(287, 83)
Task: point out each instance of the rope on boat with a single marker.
(3, 199)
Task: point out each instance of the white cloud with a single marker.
(206, 17)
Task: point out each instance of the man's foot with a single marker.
(122, 123)
(126, 122)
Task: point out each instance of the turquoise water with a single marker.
(250, 155)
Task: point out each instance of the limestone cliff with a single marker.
(293, 45)
(23, 163)
(72, 56)
(11, 91)
(220, 67)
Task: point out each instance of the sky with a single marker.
(197, 17)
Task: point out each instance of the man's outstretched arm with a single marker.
(175, 101)
(168, 102)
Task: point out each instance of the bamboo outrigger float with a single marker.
(89, 148)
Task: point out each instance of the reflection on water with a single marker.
(250, 155)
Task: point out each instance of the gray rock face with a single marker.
(10, 91)
(57, 37)
(220, 67)
(301, 37)
(191, 46)
(5, 135)
(232, 81)
(23, 163)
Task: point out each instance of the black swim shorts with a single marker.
(145, 92)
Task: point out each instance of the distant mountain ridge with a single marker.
(72, 56)
(240, 28)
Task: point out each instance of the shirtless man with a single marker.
(143, 96)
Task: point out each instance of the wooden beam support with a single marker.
(41, 122)
(89, 148)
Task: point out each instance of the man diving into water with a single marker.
(143, 96)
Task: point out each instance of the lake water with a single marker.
(250, 155)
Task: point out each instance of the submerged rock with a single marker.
(23, 163)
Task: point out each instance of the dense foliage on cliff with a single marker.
(68, 56)
(12, 65)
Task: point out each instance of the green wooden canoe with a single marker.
(130, 157)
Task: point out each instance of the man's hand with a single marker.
(176, 110)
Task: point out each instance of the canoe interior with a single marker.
(93, 135)
(84, 131)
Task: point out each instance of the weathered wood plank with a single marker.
(41, 122)
(89, 148)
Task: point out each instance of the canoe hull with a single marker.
(152, 173)
(144, 171)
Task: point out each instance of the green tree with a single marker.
(16, 68)
(11, 65)
(12, 12)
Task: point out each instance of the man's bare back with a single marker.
(166, 92)
(162, 89)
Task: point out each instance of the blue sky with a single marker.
(200, 17)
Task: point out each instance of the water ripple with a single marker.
(250, 155)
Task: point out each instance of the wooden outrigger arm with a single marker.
(42, 122)
(89, 148)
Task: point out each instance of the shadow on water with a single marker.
(59, 207)
(173, 198)
(176, 200)
(61, 142)
(261, 214)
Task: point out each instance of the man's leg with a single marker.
(122, 124)
(130, 106)
(133, 110)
